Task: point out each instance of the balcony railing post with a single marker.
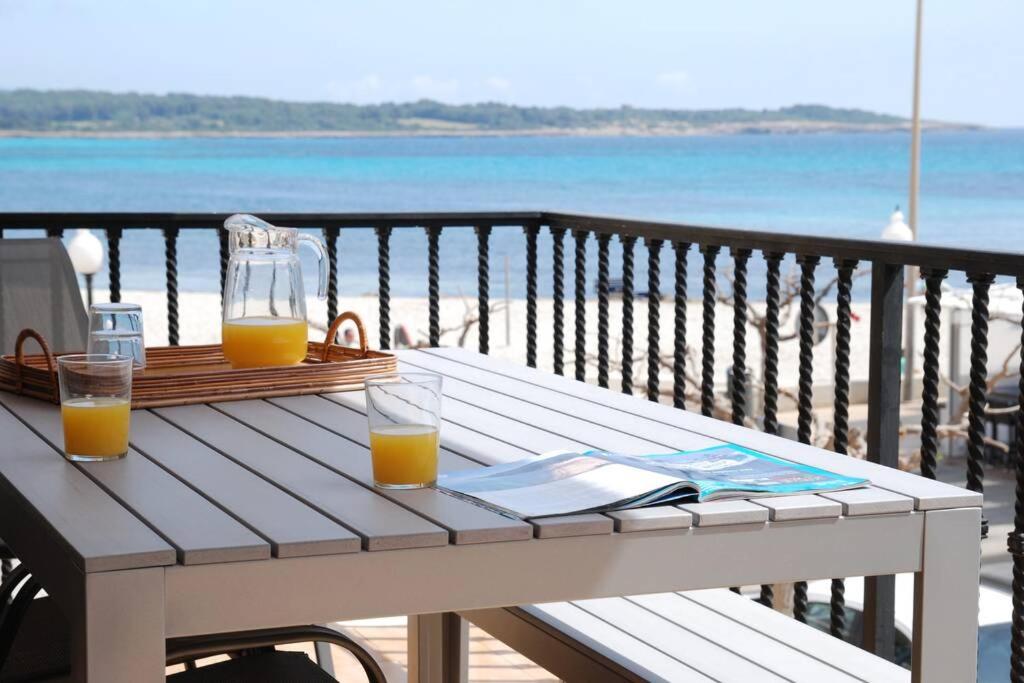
(980, 283)
(679, 340)
(1015, 539)
(384, 284)
(433, 283)
(171, 263)
(114, 263)
(222, 239)
(628, 243)
(531, 231)
(558, 296)
(738, 389)
(933, 278)
(603, 240)
(580, 310)
(483, 285)
(707, 382)
(883, 434)
(331, 239)
(653, 318)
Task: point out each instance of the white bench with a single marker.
(709, 635)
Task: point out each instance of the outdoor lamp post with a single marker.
(898, 231)
(86, 254)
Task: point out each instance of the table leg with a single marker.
(438, 648)
(118, 634)
(946, 597)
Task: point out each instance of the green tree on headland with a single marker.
(87, 111)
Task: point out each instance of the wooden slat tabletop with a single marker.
(108, 538)
(381, 524)
(668, 426)
(291, 477)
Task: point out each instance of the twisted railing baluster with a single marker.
(653, 318)
(331, 240)
(806, 364)
(434, 283)
(171, 266)
(841, 404)
(222, 243)
(805, 390)
(1015, 539)
(558, 296)
(739, 335)
(114, 262)
(603, 240)
(384, 284)
(679, 337)
(483, 280)
(770, 352)
(581, 303)
(841, 412)
(933, 278)
(628, 242)
(707, 383)
(773, 261)
(980, 282)
(531, 294)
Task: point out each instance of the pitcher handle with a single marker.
(321, 257)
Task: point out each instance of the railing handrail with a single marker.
(918, 254)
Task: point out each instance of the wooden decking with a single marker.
(490, 660)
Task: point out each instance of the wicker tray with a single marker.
(180, 375)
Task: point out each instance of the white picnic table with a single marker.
(262, 513)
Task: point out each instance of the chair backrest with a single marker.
(39, 289)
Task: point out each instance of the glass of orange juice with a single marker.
(95, 405)
(404, 411)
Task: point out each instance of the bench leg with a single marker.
(946, 597)
(324, 659)
(438, 648)
(118, 635)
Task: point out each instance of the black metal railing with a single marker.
(888, 263)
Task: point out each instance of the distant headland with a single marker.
(89, 113)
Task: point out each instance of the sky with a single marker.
(646, 53)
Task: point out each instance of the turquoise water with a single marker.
(972, 189)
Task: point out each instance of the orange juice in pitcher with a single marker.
(259, 342)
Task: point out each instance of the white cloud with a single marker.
(498, 83)
(435, 88)
(673, 79)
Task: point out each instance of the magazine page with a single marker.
(561, 483)
(733, 471)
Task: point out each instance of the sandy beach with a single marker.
(200, 315)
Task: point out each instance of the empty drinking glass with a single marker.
(404, 411)
(95, 405)
(117, 329)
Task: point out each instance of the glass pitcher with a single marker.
(264, 303)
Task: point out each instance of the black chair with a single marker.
(35, 646)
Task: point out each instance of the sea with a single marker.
(831, 184)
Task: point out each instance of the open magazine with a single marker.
(562, 482)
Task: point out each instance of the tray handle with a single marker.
(332, 333)
(19, 360)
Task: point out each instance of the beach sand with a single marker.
(200, 315)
